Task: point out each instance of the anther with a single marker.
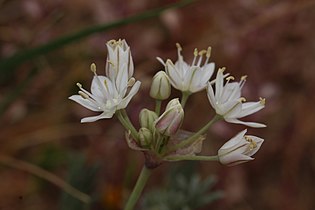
(179, 47)
(208, 52)
(131, 81)
(196, 52)
(244, 77)
(93, 68)
(202, 52)
(83, 95)
(110, 62)
(230, 78)
(262, 101)
(242, 99)
(79, 85)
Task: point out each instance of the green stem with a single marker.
(202, 158)
(136, 192)
(158, 104)
(196, 135)
(124, 120)
(185, 96)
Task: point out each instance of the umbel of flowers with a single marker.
(160, 136)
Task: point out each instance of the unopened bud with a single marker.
(171, 120)
(160, 87)
(145, 136)
(147, 118)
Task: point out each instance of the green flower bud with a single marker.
(145, 136)
(160, 87)
(147, 119)
(171, 120)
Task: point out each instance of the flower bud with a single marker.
(160, 87)
(145, 136)
(147, 118)
(171, 120)
(239, 149)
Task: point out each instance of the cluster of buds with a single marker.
(160, 136)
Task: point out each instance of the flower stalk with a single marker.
(136, 192)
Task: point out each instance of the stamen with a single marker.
(160, 60)
(201, 53)
(244, 77)
(111, 63)
(230, 78)
(195, 56)
(262, 101)
(131, 81)
(252, 144)
(79, 85)
(208, 54)
(179, 49)
(242, 99)
(93, 68)
(83, 95)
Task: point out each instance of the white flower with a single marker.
(228, 103)
(239, 149)
(189, 78)
(109, 93)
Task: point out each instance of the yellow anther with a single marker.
(110, 62)
(93, 68)
(230, 78)
(244, 77)
(202, 52)
(83, 95)
(112, 42)
(208, 52)
(242, 99)
(106, 85)
(252, 144)
(179, 47)
(131, 81)
(262, 101)
(196, 52)
(79, 85)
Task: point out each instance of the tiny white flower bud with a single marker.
(239, 149)
(160, 87)
(171, 120)
(147, 118)
(145, 136)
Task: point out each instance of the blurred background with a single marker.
(43, 146)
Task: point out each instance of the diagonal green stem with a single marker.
(142, 180)
(196, 135)
(124, 120)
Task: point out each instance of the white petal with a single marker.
(250, 108)
(84, 102)
(210, 95)
(231, 109)
(219, 85)
(250, 124)
(95, 118)
(135, 88)
(234, 141)
(122, 79)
